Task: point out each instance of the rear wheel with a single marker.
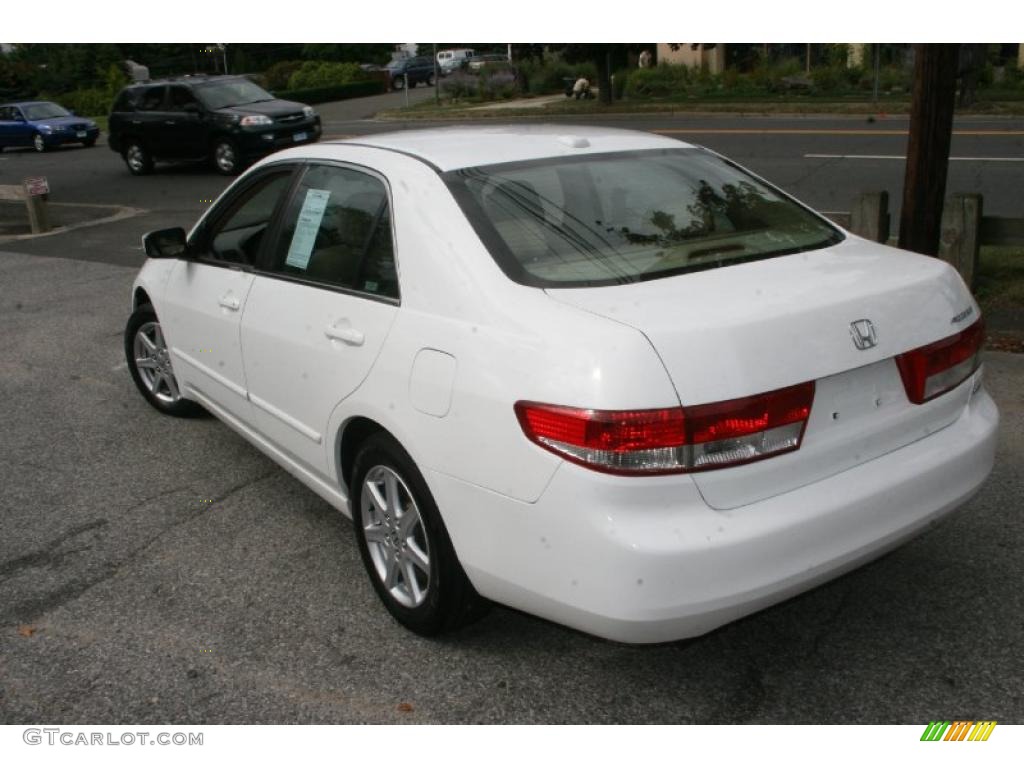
(149, 363)
(397, 83)
(404, 544)
(89, 143)
(430, 80)
(138, 160)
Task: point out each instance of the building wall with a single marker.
(713, 59)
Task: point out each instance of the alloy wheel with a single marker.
(224, 155)
(154, 363)
(135, 157)
(395, 537)
(38, 143)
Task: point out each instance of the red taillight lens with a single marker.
(935, 369)
(669, 440)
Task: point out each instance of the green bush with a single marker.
(334, 92)
(87, 102)
(276, 77)
(545, 77)
(320, 74)
(662, 81)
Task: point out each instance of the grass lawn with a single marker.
(1000, 292)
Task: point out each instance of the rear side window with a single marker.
(125, 102)
(151, 99)
(337, 231)
(608, 219)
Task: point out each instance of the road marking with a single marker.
(904, 157)
(824, 131)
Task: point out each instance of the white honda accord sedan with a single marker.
(605, 377)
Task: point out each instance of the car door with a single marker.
(147, 122)
(183, 130)
(14, 130)
(320, 308)
(206, 293)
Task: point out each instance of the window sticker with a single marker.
(306, 228)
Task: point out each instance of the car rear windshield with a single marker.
(230, 93)
(608, 219)
(44, 110)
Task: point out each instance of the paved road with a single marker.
(796, 153)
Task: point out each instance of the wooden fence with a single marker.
(964, 228)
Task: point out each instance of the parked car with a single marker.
(411, 69)
(43, 125)
(479, 61)
(601, 376)
(226, 120)
(453, 59)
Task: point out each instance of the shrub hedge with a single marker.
(334, 92)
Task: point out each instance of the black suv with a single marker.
(227, 120)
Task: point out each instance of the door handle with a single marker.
(348, 335)
(229, 302)
(170, 122)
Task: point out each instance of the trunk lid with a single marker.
(751, 328)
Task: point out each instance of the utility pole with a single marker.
(931, 131)
(437, 85)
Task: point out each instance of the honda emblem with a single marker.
(863, 333)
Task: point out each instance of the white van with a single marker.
(453, 59)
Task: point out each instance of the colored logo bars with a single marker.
(958, 730)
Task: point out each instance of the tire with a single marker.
(430, 81)
(137, 158)
(225, 157)
(155, 380)
(397, 83)
(38, 142)
(437, 597)
(89, 143)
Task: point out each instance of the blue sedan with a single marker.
(43, 125)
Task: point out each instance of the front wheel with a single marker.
(89, 143)
(226, 158)
(397, 83)
(404, 544)
(39, 143)
(149, 363)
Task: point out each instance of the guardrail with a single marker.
(964, 228)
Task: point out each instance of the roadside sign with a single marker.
(36, 185)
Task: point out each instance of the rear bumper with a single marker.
(644, 560)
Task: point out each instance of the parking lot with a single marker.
(160, 570)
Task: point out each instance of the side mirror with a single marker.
(165, 243)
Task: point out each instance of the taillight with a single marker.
(935, 369)
(671, 440)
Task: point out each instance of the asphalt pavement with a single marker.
(156, 570)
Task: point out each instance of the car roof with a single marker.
(26, 103)
(467, 146)
(185, 80)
